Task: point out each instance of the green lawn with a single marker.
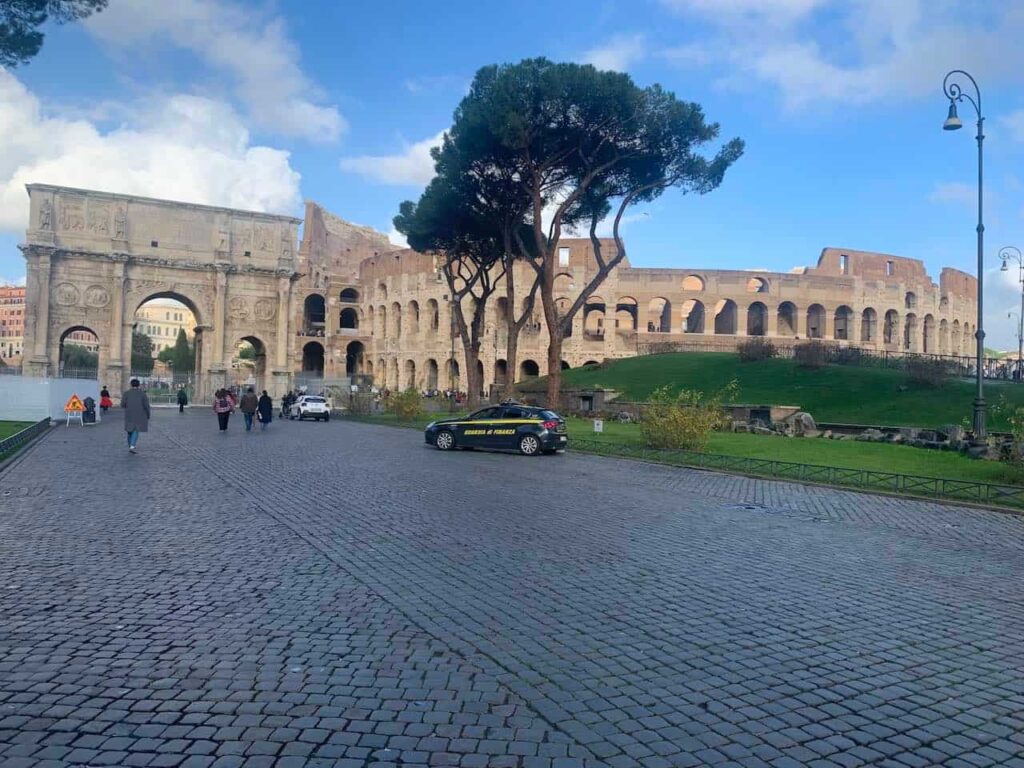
(847, 454)
(8, 428)
(836, 393)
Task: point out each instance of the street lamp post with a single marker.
(1007, 254)
(954, 92)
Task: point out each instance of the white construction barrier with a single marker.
(30, 398)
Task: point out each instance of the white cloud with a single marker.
(179, 147)
(954, 192)
(413, 166)
(778, 11)
(617, 54)
(12, 281)
(231, 39)
(823, 52)
(397, 238)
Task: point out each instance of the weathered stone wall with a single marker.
(93, 258)
(348, 301)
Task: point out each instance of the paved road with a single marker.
(339, 595)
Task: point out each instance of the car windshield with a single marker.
(549, 415)
(313, 400)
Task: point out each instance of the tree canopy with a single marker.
(20, 20)
(142, 353)
(564, 146)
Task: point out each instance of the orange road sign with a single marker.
(74, 405)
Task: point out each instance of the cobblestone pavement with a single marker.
(340, 595)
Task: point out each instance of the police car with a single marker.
(509, 426)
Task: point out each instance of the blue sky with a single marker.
(264, 104)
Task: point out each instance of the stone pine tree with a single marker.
(447, 223)
(20, 20)
(584, 144)
(142, 354)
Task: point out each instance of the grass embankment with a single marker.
(8, 428)
(835, 393)
(847, 454)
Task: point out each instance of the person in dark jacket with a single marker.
(182, 399)
(105, 402)
(136, 413)
(265, 410)
(248, 406)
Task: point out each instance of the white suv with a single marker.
(310, 406)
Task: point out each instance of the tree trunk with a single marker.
(474, 383)
(511, 354)
(553, 322)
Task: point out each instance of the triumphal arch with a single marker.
(93, 258)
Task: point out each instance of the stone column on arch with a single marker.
(281, 371)
(40, 275)
(772, 321)
(741, 320)
(219, 324)
(116, 364)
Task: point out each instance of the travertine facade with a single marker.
(94, 258)
(349, 302)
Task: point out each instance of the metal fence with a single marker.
(842, 354)
(1010, 496)
(12, 444)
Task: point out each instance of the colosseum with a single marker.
(347, 302)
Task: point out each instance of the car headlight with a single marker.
(431, 425)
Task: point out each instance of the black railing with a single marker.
(840, 353)
(1011, 496)
(12, 444)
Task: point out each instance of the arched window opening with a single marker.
(626, 314)
(528, 369)
(349, 296)
(725, 317)
(786, 318)
(659, 316)
(314, 315)
(349, 319)
(757, 319)
(815, 321)
(869, 325)
(313, 358)
(693, 283)
(693, 316)
(757, 285)
(842, 322)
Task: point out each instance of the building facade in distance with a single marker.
(347, 301)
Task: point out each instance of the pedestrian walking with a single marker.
(265, 410)
(223, 405)
(182, 399)
(136, 413)
(105, 402)
(248, 406)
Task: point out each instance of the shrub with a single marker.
(810, 354)
(360, 404)
(684, 419)
(926, 371)
(407, 405)
(846, 356)
(756, 348)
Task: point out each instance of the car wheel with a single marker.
(445, 440)
(529, 445)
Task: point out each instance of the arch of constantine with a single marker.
(346, 301)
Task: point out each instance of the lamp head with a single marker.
(952, 120)
(1004, 267)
